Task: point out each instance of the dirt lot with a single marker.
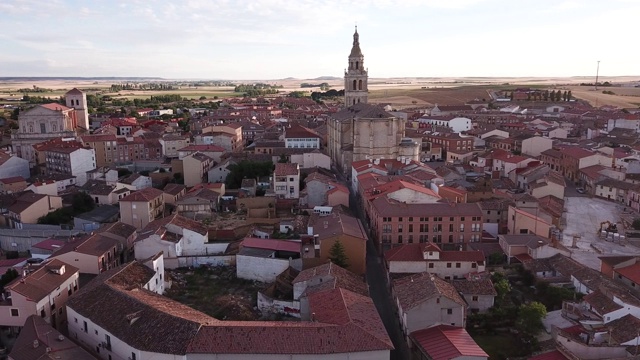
(625, 97)
(217, 292)
(430, 96)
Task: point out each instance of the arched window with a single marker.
(54, 127)
(77, 102)
(354, 101)
(354, 85)
(357, 63)
(30, 128)
(359, 84)
(358, 101)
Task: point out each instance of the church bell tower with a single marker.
(355, 77)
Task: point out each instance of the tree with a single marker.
(82, 202)
(552, 95)
(283, 159)
(569, 96)
(529, 324)
(558, 95)
(564, 96)
(636, 224)
(502, 287)
(511, 96)
(8, 277)
(337, 254)
(546, 95)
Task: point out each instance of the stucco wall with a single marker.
(258, 268)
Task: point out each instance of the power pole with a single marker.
(597, 72)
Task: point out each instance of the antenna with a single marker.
(597, 73)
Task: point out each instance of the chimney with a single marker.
(36, 344)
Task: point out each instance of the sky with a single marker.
(276, 39)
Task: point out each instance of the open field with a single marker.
(397, 91)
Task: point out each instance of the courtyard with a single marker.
(584, 216)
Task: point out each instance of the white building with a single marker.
(286, 180)
(456, 123)
(74, 161)
(297, 136)
(428, 257)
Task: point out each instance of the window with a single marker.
(474, 265)
(449, 311)
(85, 328)
(448, 265)
(410, 227)
(457, 265)
(400, 228)
(43, 128)
(133, 356)
(399, 239)
(410, 218)
(474, 298)
(14, 312)
(431, 265)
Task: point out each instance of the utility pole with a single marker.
(597, 72)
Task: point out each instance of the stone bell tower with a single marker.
(355, 77)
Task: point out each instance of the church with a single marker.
(362, 131)
(50, 121)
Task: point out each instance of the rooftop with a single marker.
(415, 289)
(146, 195)
(285, 169)
(444, 342)
(43, 281)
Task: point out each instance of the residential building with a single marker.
(297, 136)
(196, 168)
(445, 342)
(450, 141)
(343, 228)
(228, 136)
(137, 181)
(69, 158)
(13, 166)
(171, 143)
(199, 202)
(93, 219)
(428, 257)
(13, 184)
(103, 193)
(528, 221)
(29, 207)
(456, 123)
(286, 180)
(175, 236)
(45, 248)
(264, 259)
(213, 151)
(524, 247)
(105, 146)
(42, 292)
(42, 123)
(131, 328)
(615, 190)
(447, 225)
(575, 158)
(91, 254)
(141, 207)
(477, 291)
(535, 145)
(173, 192)
(425, 300)
(39, 340)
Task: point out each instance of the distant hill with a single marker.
(327, 78)
(47, 78)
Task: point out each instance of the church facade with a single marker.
(362, 131)
(49, 121)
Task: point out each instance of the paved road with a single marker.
(376, 278)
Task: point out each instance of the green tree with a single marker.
(529, 323)
(283, 159)
(558, 95)
(502, 287)
(337, 254)
(8, 277)
(82, 202)
(511, 96)
(569, 96)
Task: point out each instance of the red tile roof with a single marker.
(414, 290)
(444, 342)
(146, 194)
(56, 107)
(631, 272)
(271, 244)
(12, 180)
(576, 152)
(205, 148)
(413, 252)
(49, 244)
(283, 169)
(396, 185)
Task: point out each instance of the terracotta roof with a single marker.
(389, 208)
(336, 224)
(299, 131)
(631, 272)
(118, 228)
(615, 260)
(25, 201)
(160, 225)
(601, 302)
(98, 138)
(49, 244)
(415, 289)
(624, 329)
(551, 355)
(475, 286)
(576, 152)
(146, 195)
(173, 189)
(284, 169)
(39, 284)
(50, 346)
(95, 245)
(272, 244)
(444, 342)
(55, 107)
(12, 180)
(531, 241)
(74, 91)
(203, 148)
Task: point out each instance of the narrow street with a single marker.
(379, 292)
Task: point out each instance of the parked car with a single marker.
(34, 261)
(580, 191)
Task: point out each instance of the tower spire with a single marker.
(356, 76)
